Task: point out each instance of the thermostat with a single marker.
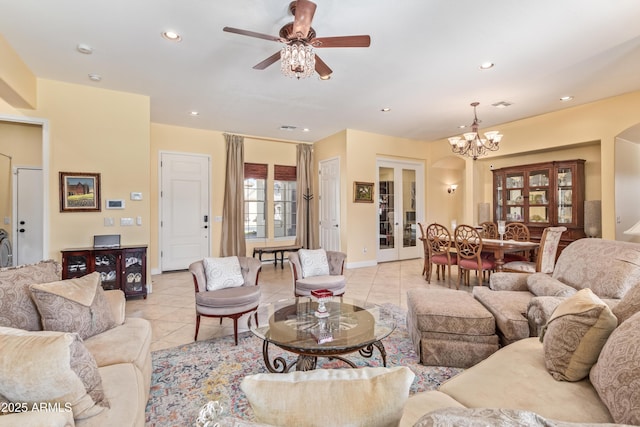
(114, 204)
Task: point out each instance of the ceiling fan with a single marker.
(298, 57)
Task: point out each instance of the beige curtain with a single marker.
(306, 233)
(232, 238)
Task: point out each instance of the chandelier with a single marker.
(470, 144)
(297, 60)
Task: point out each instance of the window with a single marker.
(284, 201)
(255, 183)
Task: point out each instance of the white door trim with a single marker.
(44, 123)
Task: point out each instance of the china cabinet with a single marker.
(542, 195)
(123, 268)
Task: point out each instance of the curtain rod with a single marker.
(263, 138)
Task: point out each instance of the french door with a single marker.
(400, 199)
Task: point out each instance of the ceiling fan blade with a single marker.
(305, 10)
(252, 34)
(344, 41)
(322, 68)
(270, 60)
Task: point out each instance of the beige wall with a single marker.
(174, 139)
(99, 131)
(23, 143)
(599, 122)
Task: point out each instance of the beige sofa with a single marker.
(517, 378)
(122, 353)
(522, 303)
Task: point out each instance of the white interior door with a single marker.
(400, 191)
(184, 210)
(28, 229)
(330, 204)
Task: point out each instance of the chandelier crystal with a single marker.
(297, 60)
(471, 145)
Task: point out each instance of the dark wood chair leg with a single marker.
(235, 329)
(197, 326)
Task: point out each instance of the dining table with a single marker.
(501, 247)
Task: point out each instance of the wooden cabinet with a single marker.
(122, 268)
(542, 195)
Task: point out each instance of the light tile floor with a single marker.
(170, 307)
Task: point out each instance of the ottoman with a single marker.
(450, 328)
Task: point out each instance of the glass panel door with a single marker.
(565, 196)
(400, 203)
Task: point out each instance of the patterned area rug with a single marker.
(186, 377)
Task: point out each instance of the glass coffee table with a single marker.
(349, 326)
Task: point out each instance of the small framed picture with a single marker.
(79, 192)
(363, 192)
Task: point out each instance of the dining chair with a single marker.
(231, 302)
(439, 247)
(425, 248)
(520, 233)
(546, 258)
(489, 230)
(469, 250)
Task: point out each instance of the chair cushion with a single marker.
(442, 259)
(472, 264)
(575, 334)
(371, 397)
(336, 284)
(74, 305)
(313, 262)
(615, 376)
(229, 297)
(222, 273)
(51, 367)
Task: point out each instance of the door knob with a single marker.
(21, 230)
(21, 222)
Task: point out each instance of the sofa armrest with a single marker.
(117, 303)
(539, 311)
(509, 281)
(38, 419)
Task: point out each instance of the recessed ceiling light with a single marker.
(95, 77)
(566, 98)
(287, 127)
(194, 113)
(502, 104)
(462, 126)
(306, 130)
(385, 109)
(171, 36)
(84, 48)
(486, 65)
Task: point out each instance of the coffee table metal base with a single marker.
(307, 362)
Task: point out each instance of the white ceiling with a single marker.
(423, 62)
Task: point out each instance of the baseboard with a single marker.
(360, 264)
(156, 271)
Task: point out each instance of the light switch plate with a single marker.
(126, 221)
(136, 195)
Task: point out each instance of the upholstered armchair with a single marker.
(307, 278)
(226, 299)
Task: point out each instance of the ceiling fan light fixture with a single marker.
(297, 60)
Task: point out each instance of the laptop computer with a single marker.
(106, 241)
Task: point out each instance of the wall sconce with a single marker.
(452, 188)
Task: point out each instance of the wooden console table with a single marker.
(275, 250)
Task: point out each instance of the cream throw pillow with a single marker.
(50, 367)
(313, 262)
(575, 334)
(367, 397)
(223, 273)
(74, 305)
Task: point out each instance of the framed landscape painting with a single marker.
(79, 192)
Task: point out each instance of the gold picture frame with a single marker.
(79, 192)
(363, 192)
